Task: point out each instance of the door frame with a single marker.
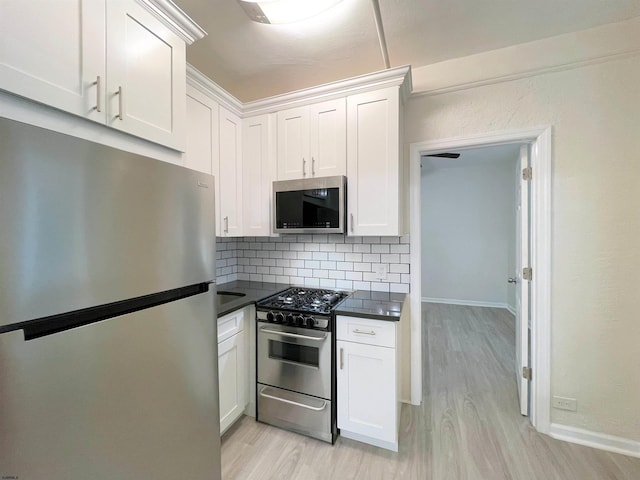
(540, 140)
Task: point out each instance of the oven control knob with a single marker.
(270, 317)
(279, 317)
(310, 322)
(290, 320)
(300, 320)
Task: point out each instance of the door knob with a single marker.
(512, 280)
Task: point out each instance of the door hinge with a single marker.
(527, 173)
(527, 273)
(526, 373)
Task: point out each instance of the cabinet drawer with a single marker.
(367, 331)
(230, 324)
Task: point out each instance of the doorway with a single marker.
(539, 140)
(473, 226)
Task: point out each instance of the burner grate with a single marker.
(313, 300)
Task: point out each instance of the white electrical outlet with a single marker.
(570, 404)
(381, 271)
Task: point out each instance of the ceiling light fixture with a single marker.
(284, 11)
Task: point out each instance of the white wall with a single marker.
(594, 112)
(468, 226)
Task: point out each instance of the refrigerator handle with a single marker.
(66, 321)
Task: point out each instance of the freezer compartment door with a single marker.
(82, 224)
(129, 398)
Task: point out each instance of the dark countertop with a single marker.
(253, 291)
(375, 305)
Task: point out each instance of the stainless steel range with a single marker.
(295, 361)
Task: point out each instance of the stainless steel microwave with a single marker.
(310, 205)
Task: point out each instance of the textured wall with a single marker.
(324, 261)
(594, 112)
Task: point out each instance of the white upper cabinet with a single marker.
(146, 75)
(113, 62)
(54, 53)
(202, 133)
(373, 163)
(312, 141)
(230, 168)
(258, 173)
(293, 143)
(328, 138)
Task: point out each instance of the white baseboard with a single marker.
(597, 440)
(511, 309)
(468, 303)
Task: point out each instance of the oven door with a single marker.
(295, 359)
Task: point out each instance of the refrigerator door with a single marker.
(82, 224)
(130, 398)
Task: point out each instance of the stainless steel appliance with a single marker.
(311, 205)
(108, 361)
(295, 361)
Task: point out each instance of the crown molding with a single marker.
(174, 18)
(392, 77)
(204, 84)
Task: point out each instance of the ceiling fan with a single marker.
(445, 155)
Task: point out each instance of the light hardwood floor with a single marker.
(468, 426)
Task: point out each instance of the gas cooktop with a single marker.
(298, 299)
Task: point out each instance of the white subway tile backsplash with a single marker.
(344, 284)
(326, 261)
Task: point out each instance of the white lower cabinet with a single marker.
(232, 371)
(367, 381)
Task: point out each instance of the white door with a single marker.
(54, 53)
(293, 144)
(258, 175)
(366, 379)
(522, 286)
(328, 138)
(373, 162)
(231, 378)
(230, 174)
(146, 75)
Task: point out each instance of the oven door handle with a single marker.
(294, 335)
(291, 402)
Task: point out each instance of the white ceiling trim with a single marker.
(602, 44)
(392, 77)
(204, 84)
(174, 18)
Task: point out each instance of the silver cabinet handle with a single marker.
(313, 166)
(294, 335)
(120, 104)
(226, 224)
(291, 402)
(304, 167)
(98, 85)
(364, 332)
(341, 358)
(351, 216)
(512, 280)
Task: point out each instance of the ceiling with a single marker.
(473, 157)
(253, 60)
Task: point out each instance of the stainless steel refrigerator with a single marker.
(108, 352)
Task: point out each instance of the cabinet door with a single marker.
(232, 378)
(202, 132)
(54, 52)
(146, 75)
(230, 174)
(328, 138)
(293, 144)
(258, 175)
(366, 390)
(373, 163)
